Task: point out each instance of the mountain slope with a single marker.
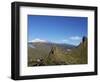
(37, 50)
(56, 54)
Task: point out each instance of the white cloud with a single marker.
(38, 40)
(65, 40)
(75, 38)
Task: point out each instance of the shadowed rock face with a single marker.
(84, 39)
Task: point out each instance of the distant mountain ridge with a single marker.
(51, 44)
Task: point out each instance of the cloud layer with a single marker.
(38, 40)
(72, 38)
(75, 38)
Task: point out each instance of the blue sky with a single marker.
(59, 29)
